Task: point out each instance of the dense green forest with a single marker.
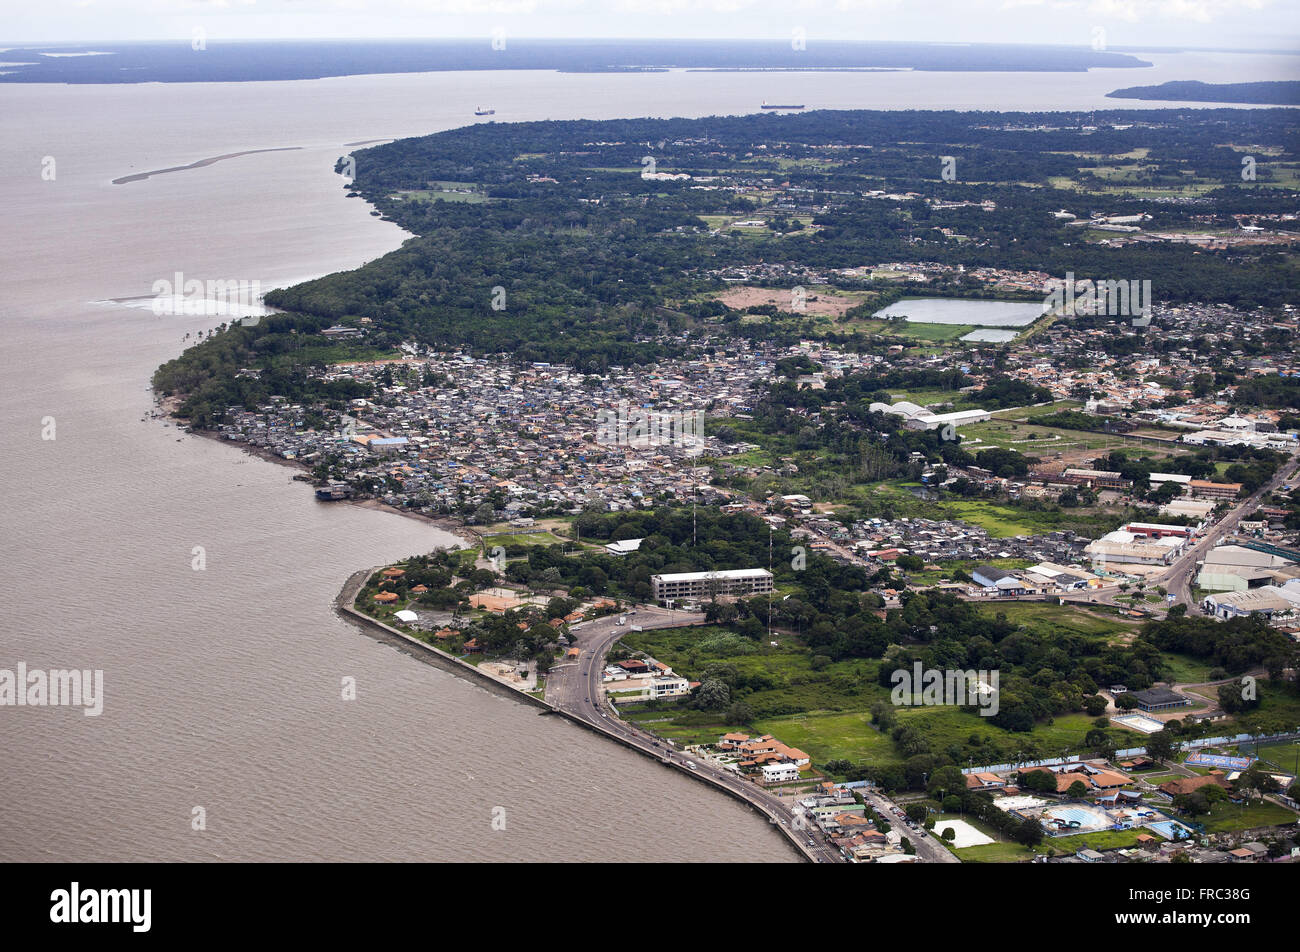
(546, 242)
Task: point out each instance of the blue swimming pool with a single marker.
(1166, 829)
(1084, 817)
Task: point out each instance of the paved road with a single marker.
(928, 849)
(575, 687)
(1178, 578)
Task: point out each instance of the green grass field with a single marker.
(521, 538)
(826, 735)
(1284, 754)
(995, 853)
(1047, 616)
(1225, 817)
(1101, 840)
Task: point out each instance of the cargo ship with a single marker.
(480, 111)
(766, 105)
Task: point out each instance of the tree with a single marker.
(947, 779)
(713, 695)
(1094, 705)
(917, 812)
(1077, 790)
(949, 833)
(1160, 745)
(739, 713)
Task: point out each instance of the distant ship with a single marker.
(767, 106)
(480, 111)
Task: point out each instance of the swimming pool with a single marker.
(1166, 829)
(1069, 814)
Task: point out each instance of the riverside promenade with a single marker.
(566, 697)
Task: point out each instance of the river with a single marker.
(222, 684)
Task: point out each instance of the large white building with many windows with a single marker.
(697, 585)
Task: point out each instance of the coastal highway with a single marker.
(575, 687)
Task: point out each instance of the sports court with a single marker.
(1218, 760)
(1140, 723)
(963, 833)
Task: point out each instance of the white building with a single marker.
(623, 546)
(1269, 600)
(678, 585)
(668, 687)
(919, 418)
(779, 773)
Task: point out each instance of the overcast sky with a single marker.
(1246, 24)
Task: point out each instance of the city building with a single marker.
(779, 773)
(695, 585)
(1204, 489)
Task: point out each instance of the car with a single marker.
(691, 764)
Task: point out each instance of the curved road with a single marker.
(575, 687)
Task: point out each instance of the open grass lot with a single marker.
(1225, 817)
(1002, 521)
(1186, 669)
(1045, 441)
(825, 735)
(447, 192)
(925, 397)
(825, 710)
(521, 538)
(1046, 616)
(911, 330)
(944, 726)
(948, 566)
(781, 680)
(667, 725)
(995, 853)
(1101, 840)
(1278, 711)
(1022, 413)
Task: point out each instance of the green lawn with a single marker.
(823, 709)
(1226, 817)
(1284, 754)
(826, 735)
(522, 538)
(1044, 616)
(1101, 840)
(994, 853)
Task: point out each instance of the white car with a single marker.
(691, 764)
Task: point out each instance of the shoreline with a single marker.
(449, 524)
(345, 608)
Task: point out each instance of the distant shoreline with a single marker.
(1269, 93)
